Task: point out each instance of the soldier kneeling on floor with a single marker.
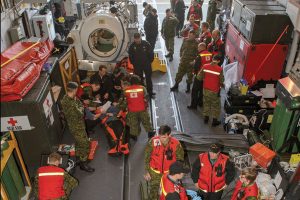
(53, 182)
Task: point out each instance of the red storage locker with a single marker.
(250, 56)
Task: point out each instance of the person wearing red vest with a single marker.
(204, 57)
(88, 88)
(53, 182)
(217, 46)
(171, 182)
(212, 172)
(191, 25)
(205, 35)
(135, 96)
(160, 153)
(246, 188)
(212, 76)
(196, 10)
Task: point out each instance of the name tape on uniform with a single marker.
(15, 123)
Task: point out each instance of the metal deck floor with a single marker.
(169, 108)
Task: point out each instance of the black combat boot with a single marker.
(215, 122)
(85, 167)
(175, 87)
(188, 88)
(171, 58)
(206, 118)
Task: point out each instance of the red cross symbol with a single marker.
(12, 121)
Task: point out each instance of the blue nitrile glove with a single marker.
(191, 193)
(197, 198)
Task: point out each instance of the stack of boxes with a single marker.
(254, 28)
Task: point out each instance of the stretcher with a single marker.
(116, 131)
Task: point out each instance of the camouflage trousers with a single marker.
(134, 119)
(211, 14)
(169, 42)
(184, 68)
(211, 104)
(154, 185)
(82, 143)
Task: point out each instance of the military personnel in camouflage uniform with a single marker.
(211, 13)
(154, 177)
(69, 181)
(188, 53)
(211, 99)
(134, 119)
(74, 114)
(168, 32)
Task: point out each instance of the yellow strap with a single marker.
(52, 174)
(221, 189)
(134, 90)
(162, 187)
(14, 57)
(214, 191)
(158, 172)
(205, 54)
(212, 72)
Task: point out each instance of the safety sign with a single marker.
(15, 123)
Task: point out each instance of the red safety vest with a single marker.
(208, 180)
(158, 159)
(211, 79)
(249, 191)
(204, 36)
(168, 186)
(206, 58)
(193, 12)
(51, 182)
(215, 47)
(80, 90)
(135, 98)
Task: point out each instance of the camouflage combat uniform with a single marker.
(74, 112)
(134, 119)
(211, 100)
(155, 177)
(69, 184)
(168, 30)
(211, 13)
(188, 52)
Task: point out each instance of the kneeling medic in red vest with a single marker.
(53, 182)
